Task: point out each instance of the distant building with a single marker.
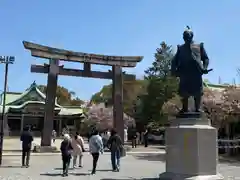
(27, 108)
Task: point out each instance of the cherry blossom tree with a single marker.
(212, 106)
(102, 117)
(222, 105)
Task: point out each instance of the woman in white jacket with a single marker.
(78, 149)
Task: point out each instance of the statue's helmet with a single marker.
(188, 35)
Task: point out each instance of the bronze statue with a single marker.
(189, 64)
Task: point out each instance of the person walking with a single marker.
(27, 139)
(142, 137)
(134, 139)
(105, 139)
(146, 138)
(66, 150)
(95, 148)
(115, 145)
(125, 134)
(78, 149)
(54, 135)
(138, 138)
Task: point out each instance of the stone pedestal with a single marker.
(191, 150)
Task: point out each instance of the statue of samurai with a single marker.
(189, 64)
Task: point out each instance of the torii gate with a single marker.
(53, 70)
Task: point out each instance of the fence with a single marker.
(228, 143)
(229, 146)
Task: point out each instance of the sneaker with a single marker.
(65, 174)
(116, 170)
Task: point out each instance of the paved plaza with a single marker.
(14, 144)
(139, 166)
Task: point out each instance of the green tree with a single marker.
(103, 95)
(161, 87)
(64, 96)
(131, 90)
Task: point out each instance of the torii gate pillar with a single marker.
(50, 102)
(117, 95)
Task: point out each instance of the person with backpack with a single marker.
(66, 150)
(115, 145)
(95, 148)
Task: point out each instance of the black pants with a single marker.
(25, 156)
(66, 161)
(134, 143)
(146, 142)
(95, 160)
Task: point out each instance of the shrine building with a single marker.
(27, 108)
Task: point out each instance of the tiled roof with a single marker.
(12, 98)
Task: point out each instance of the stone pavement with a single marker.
(138, 166)
(14, 144)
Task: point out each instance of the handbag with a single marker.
(69, 149)
(81, 144)
(122, 151)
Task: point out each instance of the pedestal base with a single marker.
(173, 176)
(45, 149)
(191, 150)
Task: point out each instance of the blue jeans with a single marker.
(115, 158)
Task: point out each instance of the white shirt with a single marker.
(125, 135)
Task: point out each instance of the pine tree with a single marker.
(161, 87)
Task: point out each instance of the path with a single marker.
(134, 166)
(13, 144)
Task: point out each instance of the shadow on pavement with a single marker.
(17, 166)
(233, 161)
(104, 170)
(150, 157)
(61, 168)
(131, 179)
(51, 174)
(60, 174)
(80, 174)
(229, 161)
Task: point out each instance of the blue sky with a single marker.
(126, 27)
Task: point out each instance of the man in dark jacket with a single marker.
(134, 139)
(26, 138)
(146, 138)
(115, 145)
(66, 150)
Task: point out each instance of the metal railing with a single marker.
(228, 143)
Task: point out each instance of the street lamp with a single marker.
(4, 60)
